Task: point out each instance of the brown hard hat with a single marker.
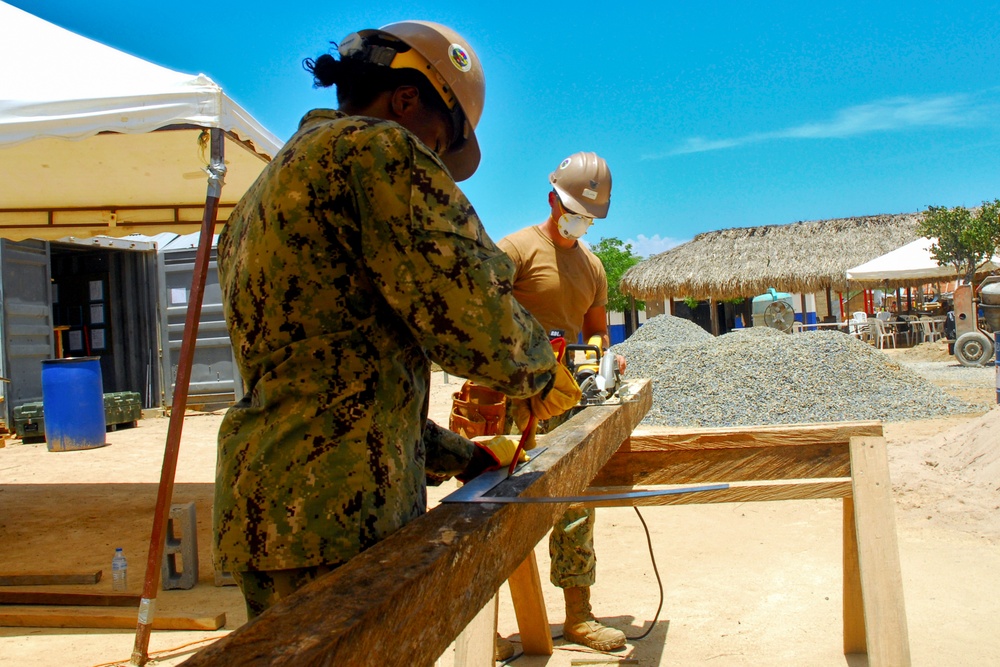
(453, 68)
(583, 183)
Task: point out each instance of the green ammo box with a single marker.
(29, 422)
(122, 409)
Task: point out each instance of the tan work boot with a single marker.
(502, 649)
(582, 628)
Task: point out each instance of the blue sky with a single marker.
(725, 114)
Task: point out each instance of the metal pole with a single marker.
(147, 606)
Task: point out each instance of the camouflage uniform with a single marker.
(351, 264)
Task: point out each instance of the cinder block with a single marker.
(182, 542)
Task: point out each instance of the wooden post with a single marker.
(713, 313)
(165, 490)
(878, 555)
(529, 608)
(854, 611)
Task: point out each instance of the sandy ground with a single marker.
(744, 584)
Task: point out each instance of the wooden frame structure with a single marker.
(838, 460)
(404, 600)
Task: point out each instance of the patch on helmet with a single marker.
(565, 163)
(589, 194)
(459, 58)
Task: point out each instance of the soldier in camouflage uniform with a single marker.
(351, 264)
(565, 286)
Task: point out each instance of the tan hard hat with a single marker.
(453, 68)
(583, 183)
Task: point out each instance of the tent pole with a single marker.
(147, 606)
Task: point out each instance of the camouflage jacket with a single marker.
(351, 263)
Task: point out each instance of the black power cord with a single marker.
(659, 583)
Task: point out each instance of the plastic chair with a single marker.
(881, 331)
(903, 329)
(858, 325)
(928, 332)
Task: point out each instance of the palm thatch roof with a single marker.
(803, 257)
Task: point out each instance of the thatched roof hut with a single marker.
(804, 257)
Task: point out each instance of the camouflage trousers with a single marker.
(262, 589)
(571, 543)
(571, 549)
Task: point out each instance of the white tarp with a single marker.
(78, 130)
(911, 264)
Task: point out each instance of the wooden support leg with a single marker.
(529, 608)
(878, 555)
(474, 647)
(854, 612)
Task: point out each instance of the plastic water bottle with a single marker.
(119, 572)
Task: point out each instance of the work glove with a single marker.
(491, 453)
(561, 394)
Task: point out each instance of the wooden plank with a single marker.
(854, 611)
(739, 492)
(49, 579)
(878, 556)
(63, 598)
(405, 599)
(752, 436)
(529, 607)
(725, 465)
(109, 617)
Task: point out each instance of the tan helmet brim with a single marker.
(581, 206)
(463, 163)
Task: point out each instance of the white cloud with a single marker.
(889, 115)
(646, 246)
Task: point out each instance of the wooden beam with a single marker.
(878, 556)
(405, 599)
(109, 617)
(752, 436)
(725, 465)
(62, 598)
(40, 579)
(806, 489)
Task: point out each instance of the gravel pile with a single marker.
(762, 376)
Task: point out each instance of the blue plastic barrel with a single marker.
(73, 403)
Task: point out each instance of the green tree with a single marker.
(965, 239)
(617, 258)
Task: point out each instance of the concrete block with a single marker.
(181, 545)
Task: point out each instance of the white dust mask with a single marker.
(573, 226)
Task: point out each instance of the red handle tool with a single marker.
(559, 347)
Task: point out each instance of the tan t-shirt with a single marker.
(557, 285)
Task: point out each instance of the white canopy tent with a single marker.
(910, 265)
(96, 141)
